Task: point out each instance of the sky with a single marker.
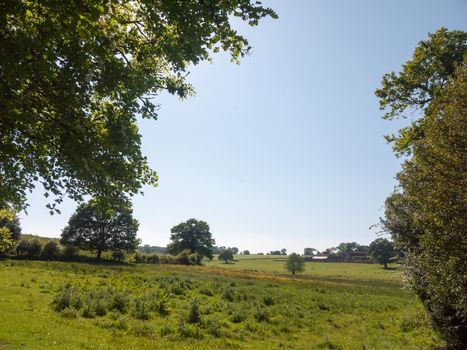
(285, 150)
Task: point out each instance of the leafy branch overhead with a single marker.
(74, 76)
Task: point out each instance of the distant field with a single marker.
(119, 307)
(325, 270)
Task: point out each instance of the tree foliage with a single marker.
(9, 230)
(426, 216)
(74, 76)
(309, 251)
(192, 235)
(51, 250)
(10, 221)
(226, 256)
(382, 251)
(421, 80)
(97, 229)
(295, 263)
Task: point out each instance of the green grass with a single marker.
(339, 272)
(207, 308)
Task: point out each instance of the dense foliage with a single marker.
(97, 229)
(426, 216)
(74, 76)
(192, 235)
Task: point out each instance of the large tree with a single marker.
(192, 235)
(74, 76)
(95, 228)
(426, 216)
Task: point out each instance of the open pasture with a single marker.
(56, 305)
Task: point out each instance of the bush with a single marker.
(67, 297)
(162, 303)
(118, 255)
(228, 294)
(119, 301)
(167, 259)
(183, 257)
(51, 250)
(70, 252)
(141, 309)
(268, 300)
(262, 315)
(23, 247)
(194, 316)
(153, 259)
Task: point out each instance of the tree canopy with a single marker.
(295, 263)
(74, 76)
(226, 256)
(192, 235)
(96, 229)
(426, 215)
(382, 251)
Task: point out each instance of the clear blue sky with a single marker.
(285, 150)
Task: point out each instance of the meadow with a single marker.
(251, 304)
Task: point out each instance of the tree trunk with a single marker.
(99, 253)
(385, 265)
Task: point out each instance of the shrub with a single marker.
(213, 327)
(141, 309)
(67, 297)
(35, 249)
(238, 316)
(183, 257)
(228, 294)
(268, 300)
(70, 252)
(119, 301)
(23, 247)
(51, 250)
(167, 259)
(153, 259)
(118, 255)
(194, 315)
(262, 315)
(162, 303)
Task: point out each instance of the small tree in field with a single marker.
(226, 256)
(382, 251)
(295, 263)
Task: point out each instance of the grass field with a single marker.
(249, 305)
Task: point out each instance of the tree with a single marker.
(309, 251)
(382, 251)
(246, 252)
(295, 263)
(193, 235)
(74, 76)
(9, 230)
(226, 256)
(283, 251)
(51, 250)
(426, 215)
(96, 229)
(345, 248)
(10, 221)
